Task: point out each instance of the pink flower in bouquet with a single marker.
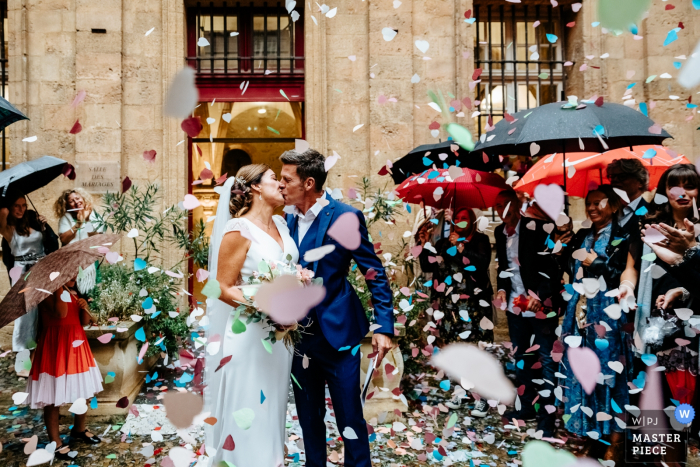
(304, 275)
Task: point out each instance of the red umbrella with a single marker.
(585, 167)
(469, 188)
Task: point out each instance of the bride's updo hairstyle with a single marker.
(241, 193)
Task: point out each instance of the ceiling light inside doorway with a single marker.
(262, 111)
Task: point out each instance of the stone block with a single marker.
(140, 92)
(102, 17)
(344, 24)
(43, 21)
(68, 21)
(49, 4)
(99, 90)
(88, 43)
(61, 44)
(98, 66)
(52, 93)
(56, 117)
(101, 115)
(139, 117)
(94, 140)
(138, 68)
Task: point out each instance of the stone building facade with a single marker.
(125, 53)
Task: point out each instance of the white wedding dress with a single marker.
(254, 383)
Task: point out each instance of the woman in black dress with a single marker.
(461, 286)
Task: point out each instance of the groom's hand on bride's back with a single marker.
(382, 344)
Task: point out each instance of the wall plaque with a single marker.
(98, 176)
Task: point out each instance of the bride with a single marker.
(248, 394)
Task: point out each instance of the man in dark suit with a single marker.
(630, 176)
(529, 285)
(329, 354)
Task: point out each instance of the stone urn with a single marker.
(383, 403)
(118, 356)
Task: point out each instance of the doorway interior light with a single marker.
(262, 111)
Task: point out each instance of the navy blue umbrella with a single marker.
(9, 114)
(31, 175)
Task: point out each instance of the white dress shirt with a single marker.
(626, 213)
(512, 248)
(304, 221)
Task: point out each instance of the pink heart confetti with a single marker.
(15, 274)
(585, 365)
(78, 99)
(112, 257)
(190, 202)
(286, 301)
(651, 235)
(202, 275)
(149, 156)
(206, 174)
(192, 126)
(346, 231)
(77, 128)
(77, 343)
(371, 275)
(105, 338)
(550, 198)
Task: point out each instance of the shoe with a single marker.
(61, 453)
(454, 403)
(520, 415)
(481, 409)
(85, 436)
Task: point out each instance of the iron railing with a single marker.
(219, 59)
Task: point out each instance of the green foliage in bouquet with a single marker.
(117, 295)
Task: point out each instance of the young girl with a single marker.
(63, 369)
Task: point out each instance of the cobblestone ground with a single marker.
(146, 439)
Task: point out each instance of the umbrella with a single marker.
(28, 293)
(437, 188)
(558, 129)
(571, 127)
(31, 175)
(443, 154)
(585, 167)
(9, 114)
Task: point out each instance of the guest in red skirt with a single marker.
(63, 368)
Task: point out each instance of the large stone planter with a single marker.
(383, 401)
(119, 357)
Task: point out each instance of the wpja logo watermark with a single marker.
(656, 436)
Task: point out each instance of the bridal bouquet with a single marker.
(268, 271)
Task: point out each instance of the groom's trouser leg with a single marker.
(311, 401)
(343, 377)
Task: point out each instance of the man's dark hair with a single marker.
(310, 164)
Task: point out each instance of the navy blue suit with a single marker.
(338, 324)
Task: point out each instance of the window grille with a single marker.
(520, 67)
(246, 40)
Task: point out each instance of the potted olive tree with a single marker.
(141, 308)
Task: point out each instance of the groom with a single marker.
(339, 323)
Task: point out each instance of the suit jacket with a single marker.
(340, 315)
(688, 272)
(634, 225)
(532, 264)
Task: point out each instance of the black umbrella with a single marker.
(586, 128)
(9, 114)
(556, 129)
(441, 154)
(31, 175)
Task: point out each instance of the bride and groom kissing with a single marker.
(248, 395)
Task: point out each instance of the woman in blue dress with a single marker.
(607, 251)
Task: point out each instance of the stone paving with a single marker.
(145, 436)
